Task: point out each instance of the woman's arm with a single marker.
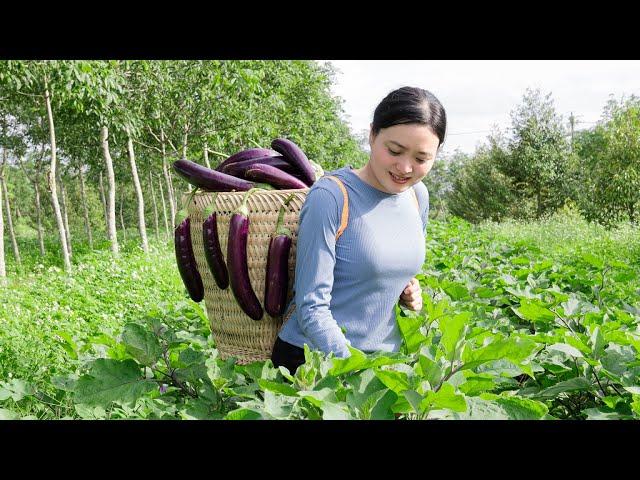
(315, 261)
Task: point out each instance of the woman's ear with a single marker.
(371, 135)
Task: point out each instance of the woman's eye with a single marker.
(393, 153)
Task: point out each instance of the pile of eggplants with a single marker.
(284, 166)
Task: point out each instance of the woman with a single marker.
(346, 289)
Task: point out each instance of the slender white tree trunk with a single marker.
(155, 206)
(63, 194)
(85, 210)
(104, 204)
(12, 233)
(164, 211)
(136, 183)
(3, 266)
(52, 181)
(184, 141)
(167, 178)
(111, 205)
(39, 216)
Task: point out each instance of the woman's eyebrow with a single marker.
(402, 146)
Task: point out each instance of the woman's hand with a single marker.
(411, 296)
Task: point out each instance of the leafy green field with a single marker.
(520, 321)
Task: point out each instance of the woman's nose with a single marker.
(404, 166)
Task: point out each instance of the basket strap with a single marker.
(415, 198)
(344, 219)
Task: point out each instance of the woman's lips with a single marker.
(399, 179)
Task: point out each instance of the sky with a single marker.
(480, 94)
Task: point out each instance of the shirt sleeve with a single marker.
(315, 261)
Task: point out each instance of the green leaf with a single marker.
(477, 384)
(484, 292)
(597, 343)
(514, 349)
(452, 328)
(444, 398)
(517, 408)
(112, 381)
(380, 404)
(276, 387)
(431, 371)
(457, 291)
(533, 311)
(572, 385)
(333, 411)
(592, 260)
(8, 414)
(356, 361)
(410, 330)
(635, 405)
(414, 399)
(244, 414)
(66, 383)
(318, 397)
(276, 405)
(396, 381)
(16, 389)
(568, 349)
(141, 344)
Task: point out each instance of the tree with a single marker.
(538, 152)
(611, 164)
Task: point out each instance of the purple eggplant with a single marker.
(209, 180)
(238, 169)
(237, 261)
(277, 277)
(212, 250)
(247, 154)
(187, 262)
(293, 154)
(261, 172)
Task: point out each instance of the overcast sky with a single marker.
(480, 93)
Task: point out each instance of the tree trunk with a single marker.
(164, 211)
(167, 178)
(111, 206)
(12, 233)
(18, 214)
(63, 194)
(136, 183)
(184, 142)
(155, 205)
(52, 181)
(124, 230)
(39, 216)
(85, 210)
(3, 267)
(104, 205)
(206, 156)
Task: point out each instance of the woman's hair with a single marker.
(411, 105)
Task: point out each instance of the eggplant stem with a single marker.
(211, 208)
(280, 230)
(191, 197)
(242, 209)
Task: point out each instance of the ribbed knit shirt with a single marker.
(354, 283)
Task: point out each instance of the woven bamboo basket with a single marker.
(235, 333)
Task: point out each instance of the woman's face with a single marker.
(401, 156)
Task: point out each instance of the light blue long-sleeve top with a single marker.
(354, 283)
